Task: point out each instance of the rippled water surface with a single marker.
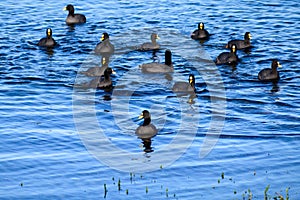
(230, 140)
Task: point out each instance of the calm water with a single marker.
(63, 143)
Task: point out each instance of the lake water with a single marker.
(230, 140)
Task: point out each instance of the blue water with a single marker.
(63, 142)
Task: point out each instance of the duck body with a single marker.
(105, 47)
(156, 67)
(147, 131)
(241, 44)
(48, 41)
(97, 71)
(73, 18)
(153, 45)
(228, 57)
(200, 33)
(270, 74)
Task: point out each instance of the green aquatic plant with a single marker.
(126, 191)
(250, 195)
(105, 190)
(167, 192)
(132, 175)
(266, 191)
(280, 197)
(222, 175)
(119, 185)
(146, 189)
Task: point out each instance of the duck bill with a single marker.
(65, 8)
(141, 116)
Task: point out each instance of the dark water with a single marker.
(58, 142)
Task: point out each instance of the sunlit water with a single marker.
(55, 140)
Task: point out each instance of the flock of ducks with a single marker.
(106, 48)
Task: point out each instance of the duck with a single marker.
(185, 86)
(270, 74)
(228, 57)
(97, 71)
(105, 47)
(146, 130)
(200, 33)
(48, 41)
(153, 45)
(73, 18)
(156, 67)
(241, 44)
(106, 82)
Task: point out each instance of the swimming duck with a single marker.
(241, 44)
(185, 86)
(105, 46)
(146, 130)
(228, 57)
(106, 82)
(270, 74)
(153, 45)
(155, 67)
(200, 33)
(47, 41)
(73, 18)
(97, 71)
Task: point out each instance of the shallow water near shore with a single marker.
(229, 140)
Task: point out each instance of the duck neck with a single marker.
(193, 84)
(106, 76)
(153, 40)
(274, 69)
(168, 59)
(71, 12)
(106, 40)
(247, 40)
(147, 121)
